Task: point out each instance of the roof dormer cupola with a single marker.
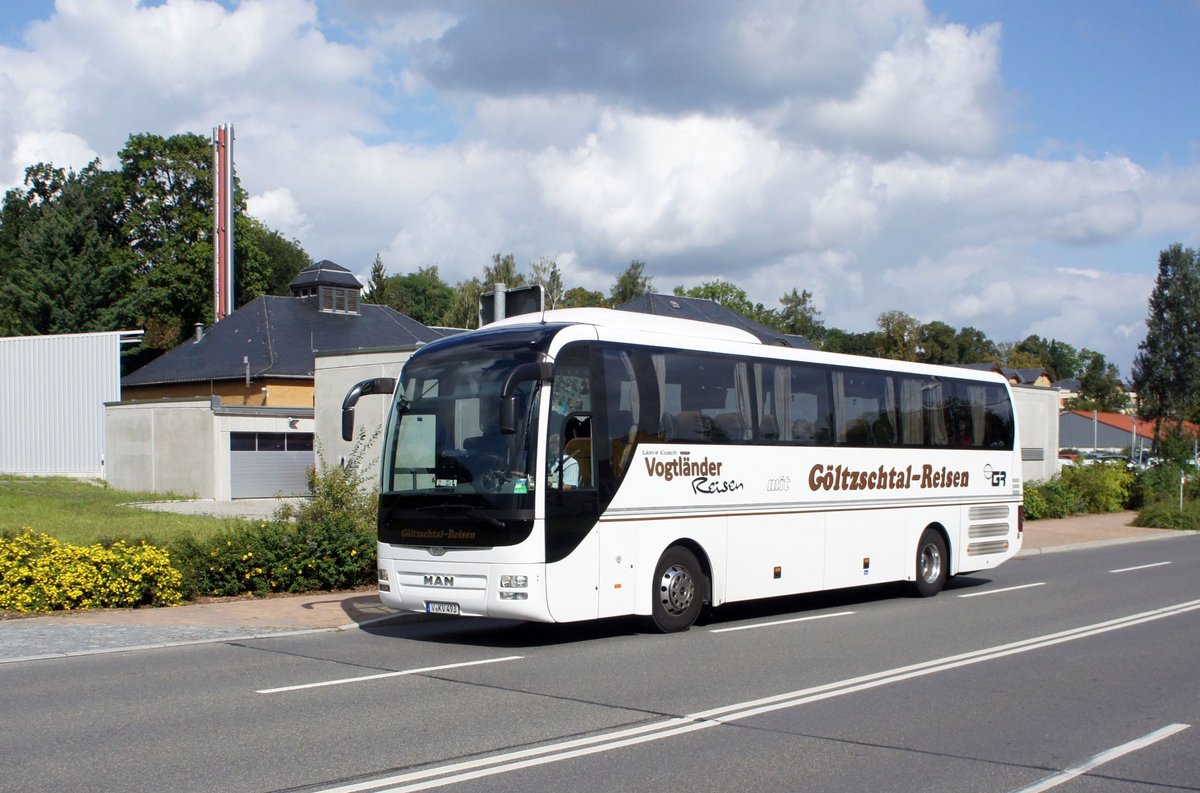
(333, 287)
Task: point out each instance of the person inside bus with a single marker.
(963, 435)
(570, 462)
(803, 431)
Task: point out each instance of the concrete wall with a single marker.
(166, 446)
(335, 374)
(1037, 420)
(181, 446)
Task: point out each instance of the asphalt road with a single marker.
(1079, 668)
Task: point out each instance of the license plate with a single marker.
(441, 608)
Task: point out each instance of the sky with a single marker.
(1013, 166)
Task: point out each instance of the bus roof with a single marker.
(654, 324)
(611, 318)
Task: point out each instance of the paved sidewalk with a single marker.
(65, 634)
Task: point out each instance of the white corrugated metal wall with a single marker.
(52, 395)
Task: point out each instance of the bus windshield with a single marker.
(444, 435)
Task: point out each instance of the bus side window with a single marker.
(808, 405)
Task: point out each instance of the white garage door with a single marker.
(269, 464)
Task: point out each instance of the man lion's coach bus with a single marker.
(587, 463)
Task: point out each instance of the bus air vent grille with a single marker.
(984, 548)
(981, 530)
(989, 512)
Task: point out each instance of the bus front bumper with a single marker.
(504, 591)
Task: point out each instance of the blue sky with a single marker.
(1013, 166)
(1096, 77)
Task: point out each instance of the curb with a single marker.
(398, 618)
(1083, 546)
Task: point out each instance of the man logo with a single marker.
(439, 580)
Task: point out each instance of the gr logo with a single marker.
(997, 478)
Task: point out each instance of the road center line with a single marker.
(439, 776)
(1139, 567)
(1104, 757)
(388, 674)
(781, 622)
(998, 591)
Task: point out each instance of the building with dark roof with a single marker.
(704, 310)
(231, 413)
(263, 354)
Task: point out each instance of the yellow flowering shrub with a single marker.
(37, 573)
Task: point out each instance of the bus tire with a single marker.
(933, 564)
(678, 590)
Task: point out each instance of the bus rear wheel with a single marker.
(678, 590)
(933, 564)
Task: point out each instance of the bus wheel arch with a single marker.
(931, 567)
(680, 588)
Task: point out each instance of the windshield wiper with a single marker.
(466, 509)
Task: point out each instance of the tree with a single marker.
(898, 335)
(377, 286)
(502, 271)
(108, 250)
(1100, 386)
(975, 347)
(284, 258)
(463, 311)
(578, 297)
(937, 343)
(799, 316)
(869, 343)
(723, 293)
(545, 272)
(57, 255)
(631, 283)
(422, 295)
(1166, 371)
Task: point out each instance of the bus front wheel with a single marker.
(933, 564)
(678, 590)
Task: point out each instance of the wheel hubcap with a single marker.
(676, 590)
(931, 563)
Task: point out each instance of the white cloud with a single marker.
(279, 210)
(852, 149)
(934, 91)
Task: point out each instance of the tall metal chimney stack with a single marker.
(223, 221)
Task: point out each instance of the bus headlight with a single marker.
(383, 576)
(514, 596)
(514, 582)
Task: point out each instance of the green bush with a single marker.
(1162, 482)
(37, 573)
(1049, 499)
(1165, 514)
(1101, 487)
(326, 542)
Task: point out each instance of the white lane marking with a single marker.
(1104, 757)
(998, 591)
(439, 776)
(781, 622)
(1140, 567)
(382, 675)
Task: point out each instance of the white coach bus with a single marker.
(587, 463)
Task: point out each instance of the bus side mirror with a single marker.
(508, 395)
(378, 385)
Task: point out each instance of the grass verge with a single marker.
(76, 512)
